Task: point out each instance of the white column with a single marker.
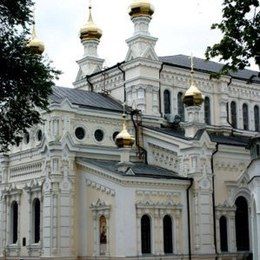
(1, 225)
(139, 242)
(55, 227)
(232, 232)
(29, 195)
(156, 233)
(218, 231)
(178, 235)
(223, 112)
(96, 234)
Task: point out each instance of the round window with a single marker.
(80, 133)
(39, 135)
(115, 134)
(27, 138)
(99, 135)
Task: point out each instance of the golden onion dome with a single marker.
(124, 139)
(90, 30)
(193, 96)
(35, 44)
(141, 8)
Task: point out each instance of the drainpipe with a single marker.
(228, 120)
(118, 65)
(160, 87)
(134, 112)
(213, 200)
(188, 215)
(91, 85)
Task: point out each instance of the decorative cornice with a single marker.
(148, 204)
(100, 187)
(26, 170)
(135, 181)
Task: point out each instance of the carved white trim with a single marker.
(26, 169)
(100, 187)
(101, 208)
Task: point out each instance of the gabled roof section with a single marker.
(214, 137)
(138, 169)
(86, 99)
(202, 65)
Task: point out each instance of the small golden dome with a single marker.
(90, 30)
(193, 96)
(35, 44)
(124, 139)
(141, 8)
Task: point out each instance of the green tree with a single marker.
(240, 26)
(26, 77)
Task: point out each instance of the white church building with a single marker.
(148, 159)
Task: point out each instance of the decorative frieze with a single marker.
(165, 158)
(27, 170)
(100, 187)
(101, 225)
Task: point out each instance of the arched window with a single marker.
(36, 206)
(181, 107)
(207, 110)
(167, 235)
(223, 234)
(103, 234)
(14, 222)
(233, 114)
(245, 116)
(256, 116)
(146, 234)
(242, 231)
(167, 101)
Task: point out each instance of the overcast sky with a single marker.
(182, 27)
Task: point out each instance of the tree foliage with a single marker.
(26, 78)
(240, 26)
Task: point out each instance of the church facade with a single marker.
(176, 177)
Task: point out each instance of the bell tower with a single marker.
(142, 76)
(90, 63)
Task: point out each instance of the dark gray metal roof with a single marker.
(139, 169)
(229, 140)
(214, 137)
(209, 67)
(85, 98)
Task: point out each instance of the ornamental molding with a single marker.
(100, 208)
(34, 185)
(165, 158)
(99, 204)
(26, 170)
(158, 210)
(134, 182)
(109, 77)
(100, 187)
(238, 188)
(148, 204)
(230, 165)
(12, 190)
(27, 153)
(95, 120)
(158, 193)
(241, 91)
(182, 79)
(137, 62)
(225, 209)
